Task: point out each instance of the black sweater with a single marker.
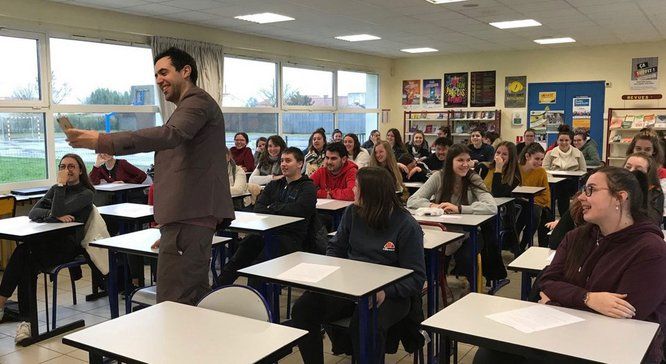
(298, 198)
(400, 244)
(60, 201)
(483, 154)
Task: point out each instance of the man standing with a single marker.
(191, 184)
(337, 177)
(528, 138)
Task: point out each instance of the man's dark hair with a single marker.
(406, 159)
(339, 148)
(480, 131)
(297, 153)
(443, 142)
(179, 59)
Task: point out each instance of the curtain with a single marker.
(209, 59)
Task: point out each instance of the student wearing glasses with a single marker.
(69, 200)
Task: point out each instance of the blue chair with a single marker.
(52, 274)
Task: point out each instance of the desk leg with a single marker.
(128, 283)
(270, 252)
(530, 231)
(363, 320)
(552, 198)
(432, 275)
(445, 348)
(473, 232)
(525, 286)
(95, 358)
(111, 285)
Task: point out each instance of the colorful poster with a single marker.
(411, 92)
(515, 88)
(549, 97)
(644, 73)
(581, 112)
(455, 89)
(432, 92)
(482, 89)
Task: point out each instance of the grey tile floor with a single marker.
(53, 351)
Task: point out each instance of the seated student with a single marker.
(529, 136)
(373, 139)
(355, 153)
(491, 138)
(532, 174)
(337, 177)
(383, 157)
(411, 170)
(268, 168)
(436, 161)
(336, 136)
(241, 153)
(587, 146)
(457, 190)
(237, 181)
(70, 200)
(259, 147)
(442, 132)
(564, 158)
(502, 175)
(375, 229)
(418, 147)
(314, 157)
(113, 170)
(293, 195)
(648, 142)
(479, 151)
(394, 139)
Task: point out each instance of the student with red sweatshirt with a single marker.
(337, 177)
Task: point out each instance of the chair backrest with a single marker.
(7, 206)
(237, 300)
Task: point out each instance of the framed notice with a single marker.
(482, 89)
(432, 92)
(581, 112)
(455, 89)
(549, 97)
(515, 88)
(411, 92)
(644, 73)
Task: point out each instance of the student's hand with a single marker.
(118, 182)
(381, 296)
(610, 304)
(100, 160)
(544, 299)
(551, 225)
(62, 177)
(403, 167)
(449, 208)
(66, 218)
(78, 138)
(414, 171)
(499, 163)
(328, 194)
(156, 244)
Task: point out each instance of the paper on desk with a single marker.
(321, 203)
(308, 272)
(248, 218)
(534, 318)
(550, 256)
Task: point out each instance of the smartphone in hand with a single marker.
(64, 123)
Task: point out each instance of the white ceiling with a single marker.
(450, 28)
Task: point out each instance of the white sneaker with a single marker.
(22, 331)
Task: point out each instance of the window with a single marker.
(254, 124)
(22, 147)
(297, 127)
(249, 83)
(304, 87)
(357, 90)
(101, 74)
(360, 124)
(21, 79)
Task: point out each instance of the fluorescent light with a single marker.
(516, 24)
(418, 50)
(444, 1)
(357, 37)
(263, 18)
(555, 40)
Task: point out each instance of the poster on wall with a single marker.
(515, 88)
(581, 112)
(432, 93)
(455, 89)
(546, 120)
(482, 89)
(549, 97)
(411, 92)
(644, 73)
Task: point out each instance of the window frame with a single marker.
(42, 69)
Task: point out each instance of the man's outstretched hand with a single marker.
(78, 138)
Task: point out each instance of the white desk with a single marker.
(344, 282)
(171, 332)
(530, 264)
(467, 222)
(127, 210)
(120, 190)
(598, 338)
(136, 243)
(328, 204)
(22, 229)
(26, 198)
(414, 185)
(555, 180)
(255, 222)
(567, 173)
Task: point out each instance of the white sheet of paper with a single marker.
(550, 256)
(321, 203)
(308, 272)
(248, 218)
(534, 318)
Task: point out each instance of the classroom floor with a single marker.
(53, 351)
